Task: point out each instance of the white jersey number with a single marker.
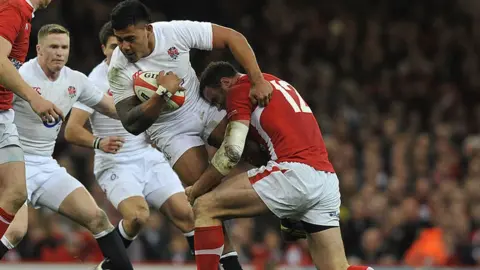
(288, 91)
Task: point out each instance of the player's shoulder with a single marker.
(21, 7)
(118, 60)
(29, 68)
(73, 75)
(99, 71)
(241, 89)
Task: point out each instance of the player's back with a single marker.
(287, 126)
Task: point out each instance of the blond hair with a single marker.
(51, 29)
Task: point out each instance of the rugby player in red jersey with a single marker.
(298, 182)
(15, 27)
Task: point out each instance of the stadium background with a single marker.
(394, 85)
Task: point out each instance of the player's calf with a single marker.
(13, 191)
(326, 248)
(15, 232)
(135, 213)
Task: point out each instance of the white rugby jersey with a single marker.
(39, 138)
(173, 41)
(104, 126)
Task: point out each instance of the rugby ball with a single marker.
(145, 85)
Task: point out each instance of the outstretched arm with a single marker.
(243, 53)
(224, 160)
(76, 133)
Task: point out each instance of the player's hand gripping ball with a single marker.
(145, 85)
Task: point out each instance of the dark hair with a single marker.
(105, 33)
(214, 72)
(129, 12)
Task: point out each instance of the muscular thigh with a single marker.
(191, 165)
(235, 198)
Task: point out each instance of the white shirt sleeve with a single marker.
(90, 94)
(120, 83)
(83, 107)
(192, 34)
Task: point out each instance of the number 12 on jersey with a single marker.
(288, 91)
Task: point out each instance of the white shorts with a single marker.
(177, 134)
(146, 174)
(48, 184)
(8, 130)
(299, 192)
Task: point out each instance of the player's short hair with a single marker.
(129, 12)
(105, 33)
(49, 29)
(214, 72)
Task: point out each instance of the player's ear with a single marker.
(149, 28)
(103, 49)
(38, 49)
(225, 82)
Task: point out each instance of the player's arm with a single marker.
(76, 132)
(224, 37)
(224, 160)
(10, 26)
(106, 106)
(136, 116)
(9, 76)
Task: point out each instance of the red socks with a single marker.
(5, 220)
(208, 247)
(358, 267)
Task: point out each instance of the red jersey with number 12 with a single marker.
(15, 18)
(286, 127)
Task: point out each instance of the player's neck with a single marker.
(151, 44)
(51, 75)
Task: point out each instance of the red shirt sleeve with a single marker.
(239, 106)
(10, 22)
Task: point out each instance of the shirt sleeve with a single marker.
(90, 94)
(192, 34)
(83, 107)
(120, 83)
(10, 23)
(239, 106)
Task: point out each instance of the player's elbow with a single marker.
(70, 131)
(225, 37)
(132, 129)
(233, 153)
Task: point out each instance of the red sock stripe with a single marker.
(359, 267)
(5, 216)
(208, 237)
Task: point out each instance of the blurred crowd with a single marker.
(394, 85)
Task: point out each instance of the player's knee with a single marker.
(138, 216)
(17, 196)
(97, 221)
(203, 206)
(183, 218)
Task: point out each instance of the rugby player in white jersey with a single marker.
(165, 46)
(48, 184)
(135, 176)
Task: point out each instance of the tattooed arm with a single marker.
(136, 116)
